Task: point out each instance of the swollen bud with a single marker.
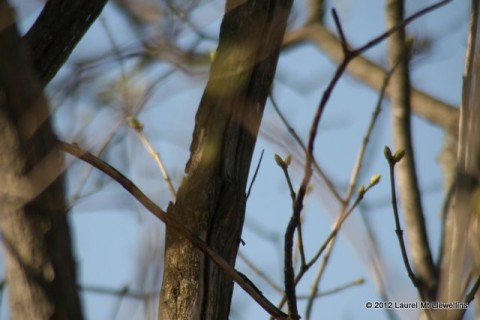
(279, 161)
(375, 179)
(388, 154)
(361, 190)
(135, 124)
(288, 160)
(399, 155)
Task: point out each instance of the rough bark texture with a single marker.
(211, 199)
(407, 177)
(56, 32)
(41, 273)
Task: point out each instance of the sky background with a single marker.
(119, 245)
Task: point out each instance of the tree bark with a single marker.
(57, 31)
(211, 199)
(407, 176)
(462, 225)
(41, 272)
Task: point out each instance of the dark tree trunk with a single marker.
(57, 31)
(40, 267)
(211, 199)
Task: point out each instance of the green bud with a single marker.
(388, 153)
(135, 124)
(375, 179)
(361, 190)
(288, 160)
(399, 155)
(279, 161)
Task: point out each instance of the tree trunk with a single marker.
(211, 200)
(57, 31)
(462, 225)
(40, 268)
(407, 177)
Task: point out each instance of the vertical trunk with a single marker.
(40, 267)
(464, 211)
(211, 199)
(407, 177)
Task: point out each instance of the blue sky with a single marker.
(118, 243)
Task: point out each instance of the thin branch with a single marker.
(170, 221)
(138, 127)
(260, 273)
(409, 189)
(354, 283)
(471, 294)
(338, 25)
(123, 292)
(351, 187)
(283, 164)
(401, 25)
(333, 233)
(372, 74)
(298, 207)
(392, 161)
(255, 174)
(331, 187)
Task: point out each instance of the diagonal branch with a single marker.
(370, 73)
(57, 31)
(172, 222)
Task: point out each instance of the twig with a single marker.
(401, 25)
(295, 218)
(260, 273)
(392, 160)
(408, 185)
(471, 294)
(123, 292)
(354, 283)
(255, 174)
(138, 127)
(128, 185)
(351, 186)
(297, 138)
(336, 227)
(283, 164)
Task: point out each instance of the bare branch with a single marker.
(398, 53)
(170, 221)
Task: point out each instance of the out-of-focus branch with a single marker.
(170, 221)
(370, 73)
(348, 55)
(316, 11)
(407, 177)
(463, 213)
(350, 190)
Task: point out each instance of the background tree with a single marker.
(176, 41)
